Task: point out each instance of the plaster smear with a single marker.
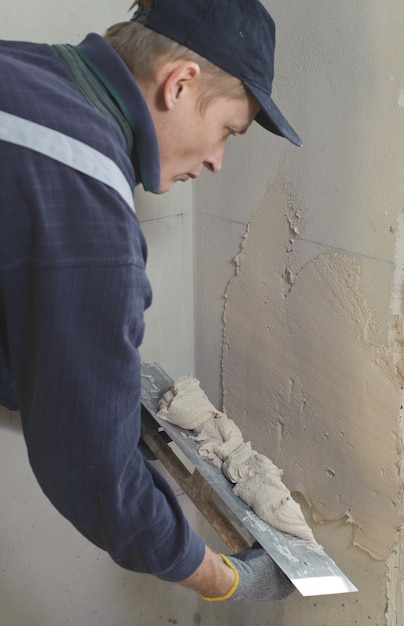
(258, 482)
(305, 385)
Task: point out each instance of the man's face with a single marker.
(196, 139)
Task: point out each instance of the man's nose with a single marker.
(214, 162)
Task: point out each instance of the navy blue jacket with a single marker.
(73, 290)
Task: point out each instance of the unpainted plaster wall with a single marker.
(299, 284)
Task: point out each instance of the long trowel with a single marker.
(310, 569)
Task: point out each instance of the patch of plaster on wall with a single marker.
(395, 576)
(342, 410)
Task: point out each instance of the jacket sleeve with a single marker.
(79, 391)
(72, 294)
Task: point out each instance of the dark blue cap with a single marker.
(236, 35)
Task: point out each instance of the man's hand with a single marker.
(249, 576)
(259, 578)
(212, 578)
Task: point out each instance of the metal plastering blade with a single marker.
(310, 569)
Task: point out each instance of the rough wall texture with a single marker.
(308, 388)
(313, 388)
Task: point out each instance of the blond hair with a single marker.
(143, 50)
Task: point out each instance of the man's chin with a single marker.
(167, 185)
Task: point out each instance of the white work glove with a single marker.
(257, 578)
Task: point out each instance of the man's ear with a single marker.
(179, 82)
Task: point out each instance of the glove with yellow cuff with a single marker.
(256, 578)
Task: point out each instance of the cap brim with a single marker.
(270, 117)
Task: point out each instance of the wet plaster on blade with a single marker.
(305, 385)
(257, 481)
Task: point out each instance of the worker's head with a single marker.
(206, 69)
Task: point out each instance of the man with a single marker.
(80, 126)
